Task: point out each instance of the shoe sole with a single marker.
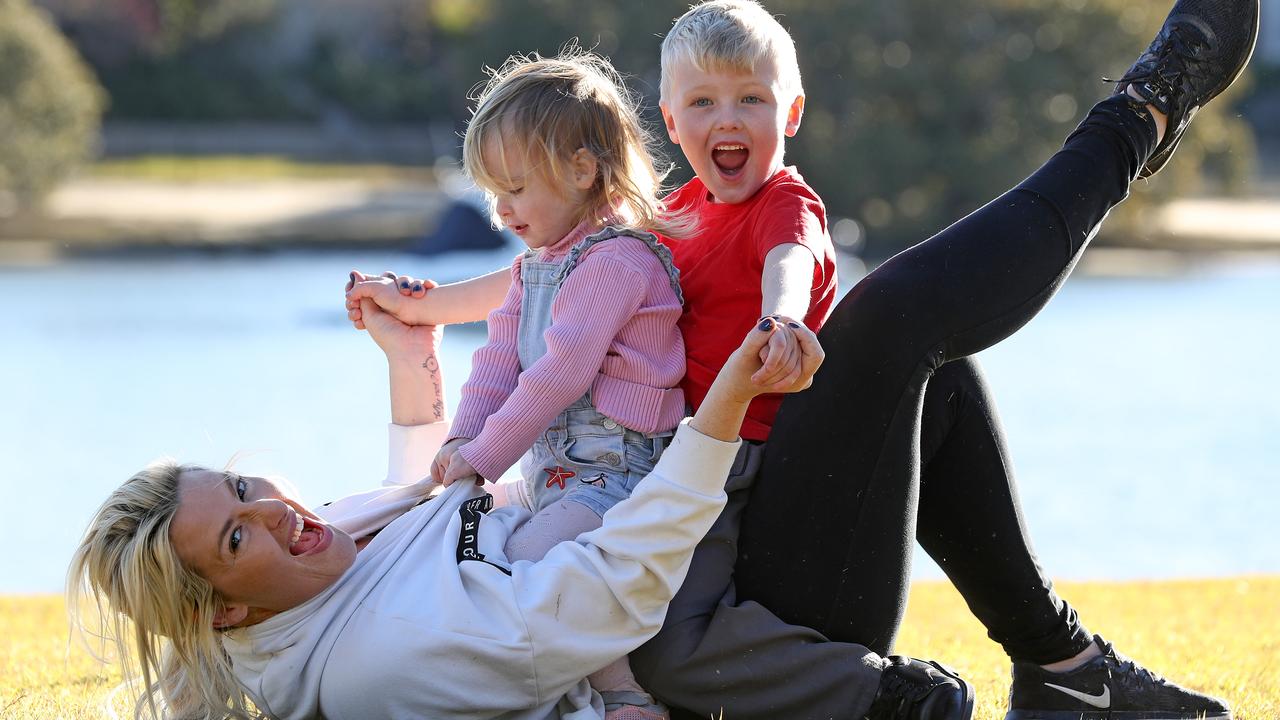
(1158, 160)
(1107, 715)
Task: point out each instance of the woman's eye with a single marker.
(234, 543)
(241, 487)
(517, 191)
(752, 99)
(702, 102)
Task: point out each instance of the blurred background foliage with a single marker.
(917, 110)
(50, 105)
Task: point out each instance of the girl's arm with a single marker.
(597, 299)
(467, 301)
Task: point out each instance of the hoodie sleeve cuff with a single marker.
(410, 450)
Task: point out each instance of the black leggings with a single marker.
(867, 461)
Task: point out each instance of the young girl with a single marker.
(579, 379)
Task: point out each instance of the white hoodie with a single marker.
(432, 621)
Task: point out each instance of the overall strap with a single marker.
(613, 231)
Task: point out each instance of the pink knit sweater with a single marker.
(613, 331)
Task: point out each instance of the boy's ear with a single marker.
(669, 120)
(585, 168)
(794, 113)
(230, 615)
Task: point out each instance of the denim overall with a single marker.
(584, 456)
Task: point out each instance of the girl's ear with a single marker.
(585, 168)
(230, 615)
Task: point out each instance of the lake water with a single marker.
(1143, 414)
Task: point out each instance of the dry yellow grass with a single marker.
(1219, 636)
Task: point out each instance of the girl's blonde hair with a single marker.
(127, 587)
(548, 108)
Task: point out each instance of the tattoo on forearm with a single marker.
(432, 366)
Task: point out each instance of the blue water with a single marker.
(1143, 414)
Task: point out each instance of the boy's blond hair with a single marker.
(734, 35)
(548, 108)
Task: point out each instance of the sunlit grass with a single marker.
(1218, 636)
(197, 168)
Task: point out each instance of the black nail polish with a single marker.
(766, 324)
(405, 284)
(352, 276)
(417, 287)
(795, 325)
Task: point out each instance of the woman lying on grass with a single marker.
(229, 594)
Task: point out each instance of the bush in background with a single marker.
(917, 111)
(920, 111)
(50, 105)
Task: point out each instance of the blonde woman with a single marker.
(233, 599)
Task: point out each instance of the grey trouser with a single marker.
(717, 655)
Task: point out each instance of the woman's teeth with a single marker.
(299, 523)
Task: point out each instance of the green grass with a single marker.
(1218, 636)
(221, 168)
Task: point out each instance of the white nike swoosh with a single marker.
(1102, 700)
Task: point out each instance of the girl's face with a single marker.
(263, 551)
(540, 213)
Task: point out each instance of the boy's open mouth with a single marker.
(729, 158)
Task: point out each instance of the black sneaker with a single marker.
(920, 690)
(1109, 687)
(1200, 51)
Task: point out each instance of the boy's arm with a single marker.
(466, 301)
(786, 282)
(785, 286)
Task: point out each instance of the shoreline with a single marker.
(112, 217)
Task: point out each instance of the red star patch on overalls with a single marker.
(557, 475)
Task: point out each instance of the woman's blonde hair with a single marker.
(548, 108)
(127, 587)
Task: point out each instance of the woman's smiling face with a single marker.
(263, 551)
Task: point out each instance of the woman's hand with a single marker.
(741, 376)
(389, 291)
(721, 413)
(397, 339)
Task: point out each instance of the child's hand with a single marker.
(742, 372)
(440, 466)
(460, 469)
(388, 290)
(781, 356)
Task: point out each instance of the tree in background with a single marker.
(917, 110)
(50, 106)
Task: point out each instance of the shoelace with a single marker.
(1178, 57)
(1129, 667)
(904, 690)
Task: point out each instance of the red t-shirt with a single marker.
(721, 268)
